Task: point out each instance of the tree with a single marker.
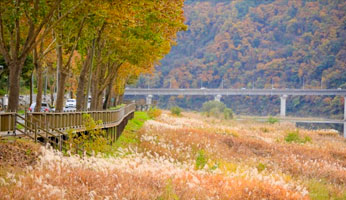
(140, 39)
(40, 55)
(67, 35)
(21, 29)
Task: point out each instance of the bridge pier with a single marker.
(217, 98)
(149, 99)
(283, 105)
(344, 112)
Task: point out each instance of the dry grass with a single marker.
(240, 160)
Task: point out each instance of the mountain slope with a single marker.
(258, 44)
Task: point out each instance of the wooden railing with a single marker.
(46, 127)
(73, 120)
(54, 137)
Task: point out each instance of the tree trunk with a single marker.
(59, 104)
(31, 88)
(116, 99)
(61, 92)
(94, 86)
(15, 71)
(121, 98)
(39, 87)
(51, 89)
(82, 82)
(100, 102)
(108, 96)
(52, 97)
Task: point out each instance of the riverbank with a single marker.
(192, 156)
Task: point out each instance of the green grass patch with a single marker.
(201, 160)
(18, 126)
(169, 192)
(175, 110)
(130, 135)
(117, 107)
(321, 190)
(295, 137)
(272, 120)
(260, 167)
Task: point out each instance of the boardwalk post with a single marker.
(107, 133)
(46, 140)
(111, 135)
(114, 133)
(35, 132)
(9, 124)
(60, 142)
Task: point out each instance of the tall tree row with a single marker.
(98, 43)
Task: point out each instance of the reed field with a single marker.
(190, 156)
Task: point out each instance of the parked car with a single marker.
(45, 107)
(71, 103)
(70, 109)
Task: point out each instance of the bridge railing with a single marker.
(7, 121)
(67, 120)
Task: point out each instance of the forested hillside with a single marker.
(260, 44)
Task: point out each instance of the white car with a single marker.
(71, 103)
(45, 107)
(69, 109)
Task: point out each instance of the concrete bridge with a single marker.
(218, 93)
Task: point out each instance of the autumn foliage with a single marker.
(260, 44)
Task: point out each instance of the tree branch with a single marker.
(17, 45)
(76, 43)
(3, 48)
(31, 39)
(110, 76)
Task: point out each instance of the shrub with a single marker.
(260, 167)
(294, 137)
(214, 112)
(272, 120)
(175, 110)
(213, 105)
(307, 139)
(217, 109)
(92, 139)
(154, 112)
(228, 113)
(201, 160)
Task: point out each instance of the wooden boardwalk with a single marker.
(48, 127)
